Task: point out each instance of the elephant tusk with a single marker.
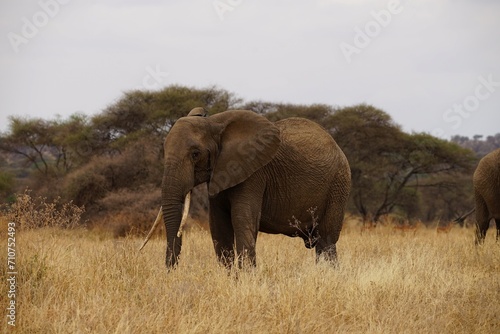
(187, 202)
(155, 225)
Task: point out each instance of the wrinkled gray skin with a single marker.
(487, 194)
(260, 174)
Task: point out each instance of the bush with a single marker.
(129, 169)
(126, 211)
(33, 212)
(132, 212)
(86, 186)
(6, 186)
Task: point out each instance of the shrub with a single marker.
(126, 211)
(103, 175)
(33, 212)
(85, 186)
(6, 185)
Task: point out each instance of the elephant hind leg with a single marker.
(482, 219)
(329, 231)
(497, 221)
(326, 251)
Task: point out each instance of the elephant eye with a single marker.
(195, 155)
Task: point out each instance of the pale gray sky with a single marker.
(433, 65)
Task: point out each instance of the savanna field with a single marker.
(84, 191)
(388, 281)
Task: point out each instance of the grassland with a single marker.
(389, 281)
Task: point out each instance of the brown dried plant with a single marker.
(29, 212)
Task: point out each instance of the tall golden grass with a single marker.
(78, 281)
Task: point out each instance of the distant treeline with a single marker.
(112, 162)
(480, 145)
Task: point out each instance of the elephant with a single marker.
(287, 177)
(486, 182)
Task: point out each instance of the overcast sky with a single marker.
(433, 65)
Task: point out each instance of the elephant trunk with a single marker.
(172, 207)
(172, 218)
(187, 202)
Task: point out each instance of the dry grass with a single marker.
(75, 281)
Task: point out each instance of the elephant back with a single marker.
(309, 141)
(488, 169)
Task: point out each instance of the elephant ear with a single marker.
(198, 111)
(247, 143)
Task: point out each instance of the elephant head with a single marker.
(222, 150)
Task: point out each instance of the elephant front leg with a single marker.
(246, 226)
(225, 253)
(245, 248)
(246, 204)
(224, 247)
(222, 234)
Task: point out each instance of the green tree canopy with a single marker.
(30, 138)
(388, 166)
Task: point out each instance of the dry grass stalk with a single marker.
(444, 228)
(406, 228)
(368, 226)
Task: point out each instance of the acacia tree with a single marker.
(449, 198)
(151, 114)
(122, 149)
(275, 112)
(260, 107)
(129, 137)
(31, 139)
(73, 141)
(52, 147)
(388, 166)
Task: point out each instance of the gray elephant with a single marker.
(487, 194)
(261, 176)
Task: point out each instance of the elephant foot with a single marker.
(246, 259)
(480, 237)
(244, 263)
(226, 258)
(479, 241)
(497, 222)
(328, 253)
